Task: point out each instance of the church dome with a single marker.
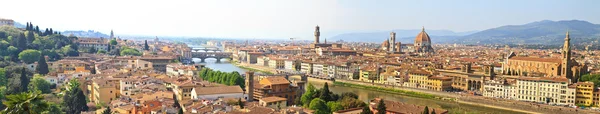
(422, 37)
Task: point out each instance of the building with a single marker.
(104, 91)
(274, 86)
(392, 43)
(7, 22)
(423, 43)
(499, 89)
(565, 66)
(276, 62)
(547, 90)
(306, 67)
(70, 66)
(584, 93)
(424, 80)
(273, 102)
(159, 63)
(176, 70)
(97, 43)
(213, 93)
(393, 107)
(317, 42)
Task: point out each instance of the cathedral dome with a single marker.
(422, 37)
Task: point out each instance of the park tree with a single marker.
(113, 42)
(25, 103)
(3, 78)
(29, 56)
(74, 100)
(42, 67)
(319, 106)
(381, 109)
(41, 84)
(334, 106)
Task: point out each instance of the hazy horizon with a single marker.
(284, 19)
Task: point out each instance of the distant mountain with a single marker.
(89, 33)
(541, 32)
(19, 25)
(404, 36)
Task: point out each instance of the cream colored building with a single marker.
(499, 89)
(545, 90)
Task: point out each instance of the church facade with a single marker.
(565, 66)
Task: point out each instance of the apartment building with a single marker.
(545, 90)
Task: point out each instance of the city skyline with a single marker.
(285, 19)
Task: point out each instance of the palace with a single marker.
(547, 67)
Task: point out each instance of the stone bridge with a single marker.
(217, 55)
(206, 49)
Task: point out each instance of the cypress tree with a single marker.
(21, 42)
(366, 110)
(176, 104)
(27, 27)
(107, 111)
(146, 47)
(426, 111)
(433, 112)
(180, 111)
(381, 107)
(240, 103)
(325, 93)
(30, 37)
(24, 80)
(42, 67)
(37, 29)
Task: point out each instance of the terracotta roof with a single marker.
(440, 78)
(553, 60)
(273, 99)
(277, 80)
(557, 79)
(422, 37)
(218, 90)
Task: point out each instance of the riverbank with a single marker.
(389, 90)
(252, 68)
(450, 99)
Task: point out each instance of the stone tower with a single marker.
(392, 42)
(566, 58)
(317, 34)
(250, 86)
(112, 35)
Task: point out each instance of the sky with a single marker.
(283, 19)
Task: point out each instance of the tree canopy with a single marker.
(29, 56)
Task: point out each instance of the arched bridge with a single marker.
(206, 49)
(217, 55)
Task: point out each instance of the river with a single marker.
(366, 95)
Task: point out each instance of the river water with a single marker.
(366, 95)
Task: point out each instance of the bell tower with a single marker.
(317, 34)
(566, 58)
